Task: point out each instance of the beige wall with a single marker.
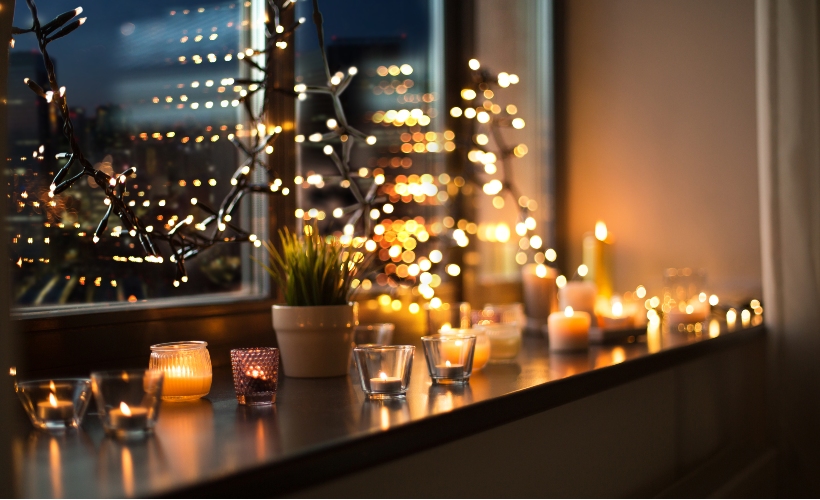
(661, 137)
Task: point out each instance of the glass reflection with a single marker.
(384, 414)
(444, 398)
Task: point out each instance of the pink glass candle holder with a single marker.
(255, 375)
(55, 405)
(449, 357)
(384, 371)
(128, 401)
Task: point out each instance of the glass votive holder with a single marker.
(449, 357)
(483, 351)
(505, 340)
(376, 334)
(128, 400)
(502, 313)
(187, 368)
(384, 371)
(255, 375)
(447, 316)
(55, 405)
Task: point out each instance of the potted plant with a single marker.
(315, 327)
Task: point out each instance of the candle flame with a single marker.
(617, 309)
(52, 386)
(445, 327)
(568, 312)
(447, 363)
(52, 400)
(690, 309)
(125, 409)
(600, 230)
(382, 375)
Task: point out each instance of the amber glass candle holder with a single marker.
(187, 368)
(384, 371)
(55, 405)
(255, 375)
(449, 357)
(128, 400)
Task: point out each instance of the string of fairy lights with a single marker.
(368, 221)
(185, 239)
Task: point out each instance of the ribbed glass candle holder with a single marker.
(187, 369)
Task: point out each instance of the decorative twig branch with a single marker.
(184, 241)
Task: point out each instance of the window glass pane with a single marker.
(145, 87)
(396, 97)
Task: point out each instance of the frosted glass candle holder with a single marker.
(187, 368)
(505, 340)
(55, 405)
(255, 375)
(128, 401)
(449, 357)
(384, 371)
(482, 354)
(376, 334)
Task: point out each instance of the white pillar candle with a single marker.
(579, 295)
(615, 318)
(383, 383)
(568, 330)
(539, 293)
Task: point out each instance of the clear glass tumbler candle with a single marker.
(55, 405)
(376, 334)
(449, 357)
(187, 368)
(384, 371)
(255, 375)
(128, 401)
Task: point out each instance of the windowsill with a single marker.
(324, 428)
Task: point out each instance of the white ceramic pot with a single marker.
(315, 341)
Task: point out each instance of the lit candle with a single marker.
(579, 295)
(539, 293)
(614, 319)
(568, 330)
(598, 258)
(126, 418)
(481, 351)
(181, 381)
(450, 370)
(54, 409)
(383, 383)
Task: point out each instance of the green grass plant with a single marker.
(312, 270)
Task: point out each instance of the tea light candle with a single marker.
(452, 349)
(450, 370)
(615, 319)
(54, 409)
(383, 383)
(128, 419)
(568, 330)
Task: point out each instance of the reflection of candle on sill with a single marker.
(450, 370)
(745, 317)
(128, 419)
(54, 409)
(731, 318)
(383, 383)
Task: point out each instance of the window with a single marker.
(148, 86)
